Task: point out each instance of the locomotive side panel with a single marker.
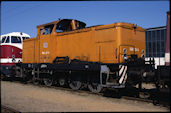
(91, 45)
(45, 48)
(28, 54)
(76, 46)
(106, 41)
(133, 39)
(36, 51)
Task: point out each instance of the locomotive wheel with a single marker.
(61, 82)
(144, 95)
(94, 87)
(75, 85)
(2, 77)
(35, 81)
(48, 81)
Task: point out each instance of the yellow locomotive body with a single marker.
(110, 56)
(103, 43)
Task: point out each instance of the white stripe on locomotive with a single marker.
(10, 60)
(123, 74)
(121, 69)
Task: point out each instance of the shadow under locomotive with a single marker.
(154, 95)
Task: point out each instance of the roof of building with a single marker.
(156, 28)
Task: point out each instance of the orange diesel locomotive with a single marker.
(111, 43)
(67, 52)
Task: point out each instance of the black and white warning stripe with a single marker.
(122, 74)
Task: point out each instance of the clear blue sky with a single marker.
(24, 16)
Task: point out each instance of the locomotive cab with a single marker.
(63, 25)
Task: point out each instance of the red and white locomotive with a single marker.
(11, 52)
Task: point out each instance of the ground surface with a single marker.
(30, 98)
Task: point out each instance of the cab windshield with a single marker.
(15, 39)
(5, 39)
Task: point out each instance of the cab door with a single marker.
(107, 52)
(45, 46)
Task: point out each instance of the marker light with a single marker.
(124, 54)
(142, 54)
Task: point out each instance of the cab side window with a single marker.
(46, 30)
(63, 28)
(15, 39)
(7, 40)
(41, 32)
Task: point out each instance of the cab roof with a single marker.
(16, 34)
(61, 20)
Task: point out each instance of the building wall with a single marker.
(155, 44)
(155, 41)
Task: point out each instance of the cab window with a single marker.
(47, 30)
(7, 40)
(41, 32)
(63, 26)
(15, 39)
(66, 25)
(3, 39)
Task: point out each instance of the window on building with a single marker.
(153, 35)
(158, 35)
(150, 55)
(162, 34)
(149, 36)
(146, 33)
(154, 47)
(147, 52)
(155, 43)
(158, 48)
(146, 44)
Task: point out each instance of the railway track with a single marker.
(111, 94)
(106, 93)
(7, 109)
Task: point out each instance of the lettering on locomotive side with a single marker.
(136, 49)
(45, 52)
(132, 49)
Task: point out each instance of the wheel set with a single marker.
(73, 84)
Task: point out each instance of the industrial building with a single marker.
(155, 44)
